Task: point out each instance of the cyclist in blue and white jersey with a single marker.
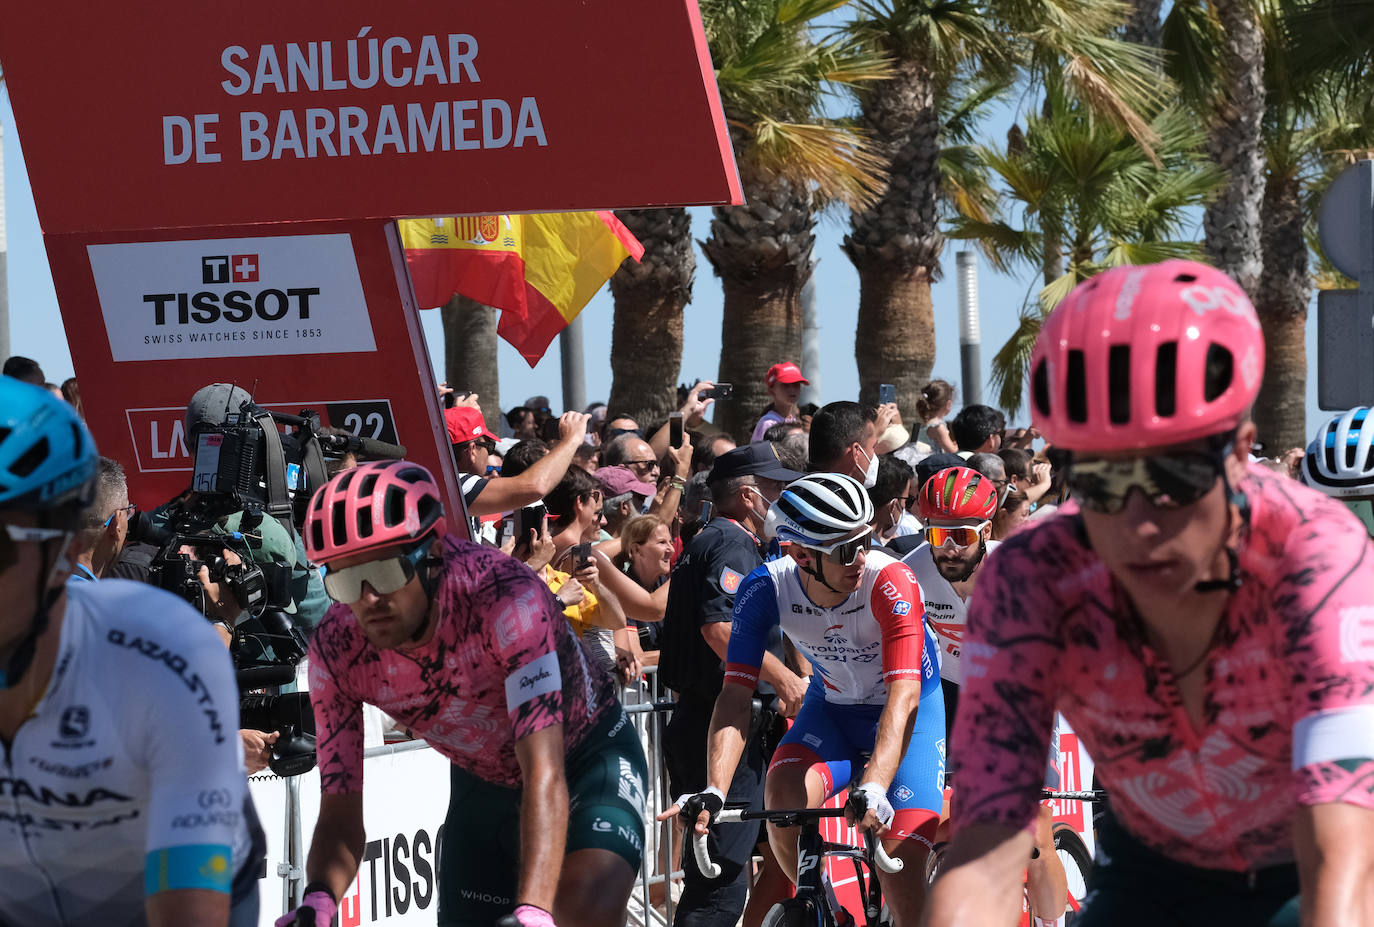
(122, 795)
(874, 709)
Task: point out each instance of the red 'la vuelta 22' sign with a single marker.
(234, 222)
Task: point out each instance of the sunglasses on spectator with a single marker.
(617, 432)
(128, 511)
(847, 551)
(642, 464)
(384, 576)
(1168, 481)
(958, 535)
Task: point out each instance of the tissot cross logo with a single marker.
(229, 268)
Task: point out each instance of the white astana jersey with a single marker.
(127, 778)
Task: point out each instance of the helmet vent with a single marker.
(317, 534)
(338, 526)
(5, 434)
(394, 505)
(365, 522)
(1219, 372)
(1077, 388)
(1185, 278)
(77, 450)
(31, 459)
(1119, 383)
(365, 487)
(1040, 388)
(1166, 377)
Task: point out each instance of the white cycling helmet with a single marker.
(819, 509)
(1340, 461)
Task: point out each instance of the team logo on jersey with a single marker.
(730, 580)
(834, 635)
(901, 608)
(903, 793)
(75, 723)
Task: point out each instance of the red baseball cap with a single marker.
(786, 372)
(465, 424)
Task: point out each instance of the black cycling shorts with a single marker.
(1133, 886)
(480, 862)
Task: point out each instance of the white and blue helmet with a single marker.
(1340, 459)
(819, 509)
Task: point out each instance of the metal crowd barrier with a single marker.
(647, 704)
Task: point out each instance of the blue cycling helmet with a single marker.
(47, 458)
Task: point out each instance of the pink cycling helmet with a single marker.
(374, 505)
(1146, 356)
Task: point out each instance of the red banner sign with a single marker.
(268, 112)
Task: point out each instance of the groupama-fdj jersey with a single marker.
(857, 648)
(1289, 692)
(946, 612)
(127, 779)
(502, 664)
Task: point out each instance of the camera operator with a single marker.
(96, 547)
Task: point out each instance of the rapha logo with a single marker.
(75, 723)
(528, 681)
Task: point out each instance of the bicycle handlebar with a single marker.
(735, 815)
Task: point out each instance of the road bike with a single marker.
(814, 904)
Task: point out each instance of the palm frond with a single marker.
(838, 162)
(1011, 363)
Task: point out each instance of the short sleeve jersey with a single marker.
(1288, 699)
(946, 612)
(705, 580)
(859, 646)
(501, 665)
(127, 779)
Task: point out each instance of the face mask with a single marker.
(871, 474)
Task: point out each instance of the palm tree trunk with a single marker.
(646, 341)
(896, 243)
(1284, 292)
(761, 326)
(1143, 25)
(1231, 222)
(762, 253)
(895, 339)
(470, 353)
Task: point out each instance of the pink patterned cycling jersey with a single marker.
(1288, 705)
(502, 664)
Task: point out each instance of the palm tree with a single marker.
(1078, 180)
(936, 45)
(1309, 125)
(773, 75)
(650, 296)
(470, 353)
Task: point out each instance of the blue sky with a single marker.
(36, 325)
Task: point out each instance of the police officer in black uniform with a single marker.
(696, 635)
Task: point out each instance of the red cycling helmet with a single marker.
(1146, 356)
(957, 493)
(378, 504)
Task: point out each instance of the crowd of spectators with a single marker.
(644, 544)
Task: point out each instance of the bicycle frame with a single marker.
(812, 848)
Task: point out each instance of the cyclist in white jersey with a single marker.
(873, 712)
(957, 505)
(122, 796)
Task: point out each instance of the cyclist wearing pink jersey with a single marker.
(873, 712)
(1204, 625)
(469, 649)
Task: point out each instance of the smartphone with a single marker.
(507, 531)
(886, 393)
(531, 519)
(675, 429)
(581, 555)
(719, 391)
(708, 511)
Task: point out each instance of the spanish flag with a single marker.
(538, 269)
